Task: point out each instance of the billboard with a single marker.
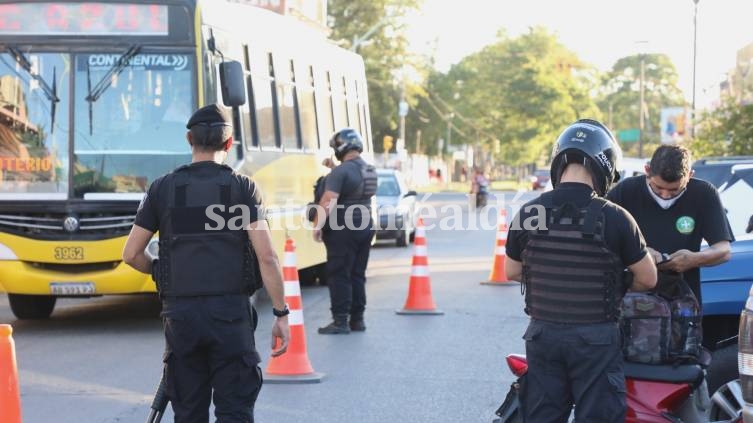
(675, 124)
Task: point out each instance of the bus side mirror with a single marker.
(231, 83)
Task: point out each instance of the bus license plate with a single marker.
(72, 288)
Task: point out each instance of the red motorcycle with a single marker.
(655, 394)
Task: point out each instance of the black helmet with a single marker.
(344, 140)
(590, 143)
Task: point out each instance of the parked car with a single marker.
(724, 288)
(539, 179)
(396, 208)
(717, 170)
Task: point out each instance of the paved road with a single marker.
(98, 360)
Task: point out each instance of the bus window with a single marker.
(247, 118)
(324, 107)
(306, 106)
(133, 130)
(34, 124)
(261, 84)
(339, 108)
(352, 101)
(286, 105)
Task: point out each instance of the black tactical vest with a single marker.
(195, 259)
(569, 274)
(366, 189)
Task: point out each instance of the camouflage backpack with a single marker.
(687, 335)
(646, 325)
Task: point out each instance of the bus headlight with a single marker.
(6, 253)
(152, 249)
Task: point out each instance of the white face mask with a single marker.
(664, 203)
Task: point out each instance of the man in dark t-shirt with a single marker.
(210, 351)
(347, 232)
(675, 212)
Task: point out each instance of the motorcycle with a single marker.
(655, 394)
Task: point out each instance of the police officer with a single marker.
(347, 232)
(675, 212)
(570, 254)
(205, 273)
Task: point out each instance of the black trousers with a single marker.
(347, 258)
(210, 355)
(573, 364)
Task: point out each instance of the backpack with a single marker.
(663, 326)
(318, 192)
(687, 334)
(646, 326)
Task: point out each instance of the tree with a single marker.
(513, 97)
(384, 53)
(620, 95)
(727, 130)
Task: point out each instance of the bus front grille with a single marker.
(67, 226)
(75, 267)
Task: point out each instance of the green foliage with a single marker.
(384, 52)
(725, 131)
(620, 88)
(518, 93)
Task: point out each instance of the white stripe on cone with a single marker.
(420, 271)
(502, 235)
(292, 288)
(295, 317)
(289, 260)
(420, 251)
(501, 251)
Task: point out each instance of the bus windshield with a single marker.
(33, 126)
(132, 130)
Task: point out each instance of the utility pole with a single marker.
(641, 123)
(695, 37)
(449, 133)
(402, 110)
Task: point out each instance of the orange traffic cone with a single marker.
(497, 275)
(10, 398)
(293, 366)
(419, 293)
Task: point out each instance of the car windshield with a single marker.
(387, 186)
(736, 195)
(134, 130)
(33, 126)
(715, 174)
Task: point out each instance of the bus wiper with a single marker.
(50, 93)
(104, 83)
(116, 68)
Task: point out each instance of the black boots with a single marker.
(338, 326)
(356, 323)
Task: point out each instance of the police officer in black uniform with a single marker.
(675, 213)
(212, 229)
(347, 232)
(569, 248)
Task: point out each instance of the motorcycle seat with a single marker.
(670, 373)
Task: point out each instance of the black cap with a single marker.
(213, 115)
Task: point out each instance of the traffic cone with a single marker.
(419, 299)
(293, 366)
(497, 275)
(10, 398)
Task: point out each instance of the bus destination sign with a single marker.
(83, 19)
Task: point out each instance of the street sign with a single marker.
(402, 109)
(629, 135)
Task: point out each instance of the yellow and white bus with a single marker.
(94, 97)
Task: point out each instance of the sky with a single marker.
(598, 31)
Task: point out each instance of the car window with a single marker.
(387, 186)
(736, 200)
(714, 174)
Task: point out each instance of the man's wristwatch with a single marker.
(280, 313)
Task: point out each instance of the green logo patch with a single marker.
(685, 225)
